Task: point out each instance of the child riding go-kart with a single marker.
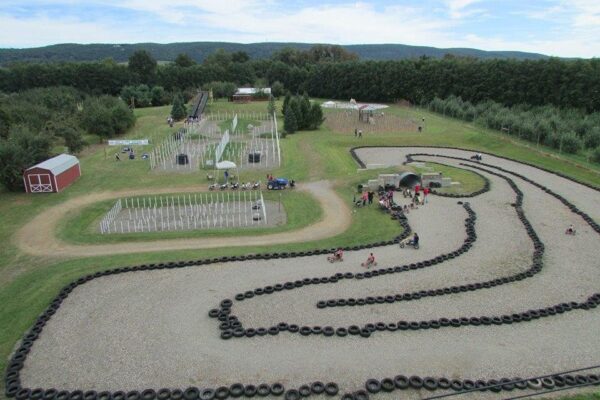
(337, 255)
(370, 261)
(414, 242)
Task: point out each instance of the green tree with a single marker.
(21, 150)
(595, 156)
(304, 102)
(178, 112)
(277, 89)
(183, 60)
(73, 139)
(290, 124)
(5, 122)
(315, 116)
(271, 109)
(158, 96)
(286, 101)
(142, 64)
(240, 57)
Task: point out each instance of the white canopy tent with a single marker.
(226, 165)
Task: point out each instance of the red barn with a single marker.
(52, 175)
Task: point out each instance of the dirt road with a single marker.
(38, 237)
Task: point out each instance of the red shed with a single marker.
(52, 175)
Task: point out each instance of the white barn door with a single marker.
(40, 183)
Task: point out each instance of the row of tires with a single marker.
(401, 382)
(191, 393)
(12, 378)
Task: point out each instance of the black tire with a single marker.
(236, 390)
(277, 389)
(292, 394)
(401, 382)
(106, 395)
(361, 395)
(249, 391)
(347, 396)
(222, 393)
(191, 393)
(415, 382)
(120, 395)
(132, 395)
(373, 386)
(150, 394)
(331, 389)
(163, 394)
(317, 387)
(50, 394)
(430, 383)
(78, 395)
(263, 390)
(387, 385)
(38, 393)
(304, 390)
(207, 394)
(444, 383)
(456, 385)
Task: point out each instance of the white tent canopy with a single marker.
(226, 165)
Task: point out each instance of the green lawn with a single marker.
(301, 209)
(469, 181)
(27, 283)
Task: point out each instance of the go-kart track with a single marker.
(496, 290)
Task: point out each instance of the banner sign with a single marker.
(221, 147)
(139, 142)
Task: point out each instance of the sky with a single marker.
(564, 28)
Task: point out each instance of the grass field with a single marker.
(301, 210)
(27, 283)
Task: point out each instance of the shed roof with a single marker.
(266, 90)
(57, 164)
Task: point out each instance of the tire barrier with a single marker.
(231, 326)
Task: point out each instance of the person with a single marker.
(417, 188)
(570, 230)
(117, 158)
(405, 209)
(360, 133)
(226, 173)
(371, 195)
(292, 183)
(365, 198)
(415, 240)
(425, 193)
(339, 253)
(355, 132)
(370, 261)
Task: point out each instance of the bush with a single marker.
(178, 111)
(596, 155)
(106, 116)
(570, 143)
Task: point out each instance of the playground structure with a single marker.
(368, 120)
(199, 143)
(186, 212)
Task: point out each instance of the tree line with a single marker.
(562, 83)
(567, 130)
(35, 120)
(300, 114)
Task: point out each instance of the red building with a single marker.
(52, 175)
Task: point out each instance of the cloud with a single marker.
(457, 9)
(572, 29)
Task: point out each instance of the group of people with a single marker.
(367, 197)
(191, 120)
(418, 197)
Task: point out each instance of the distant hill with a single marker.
(199, 50)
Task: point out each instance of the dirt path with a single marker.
(38, 237)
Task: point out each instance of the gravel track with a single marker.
(151, 329)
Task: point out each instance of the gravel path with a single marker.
(38, 236)
(151, 329)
